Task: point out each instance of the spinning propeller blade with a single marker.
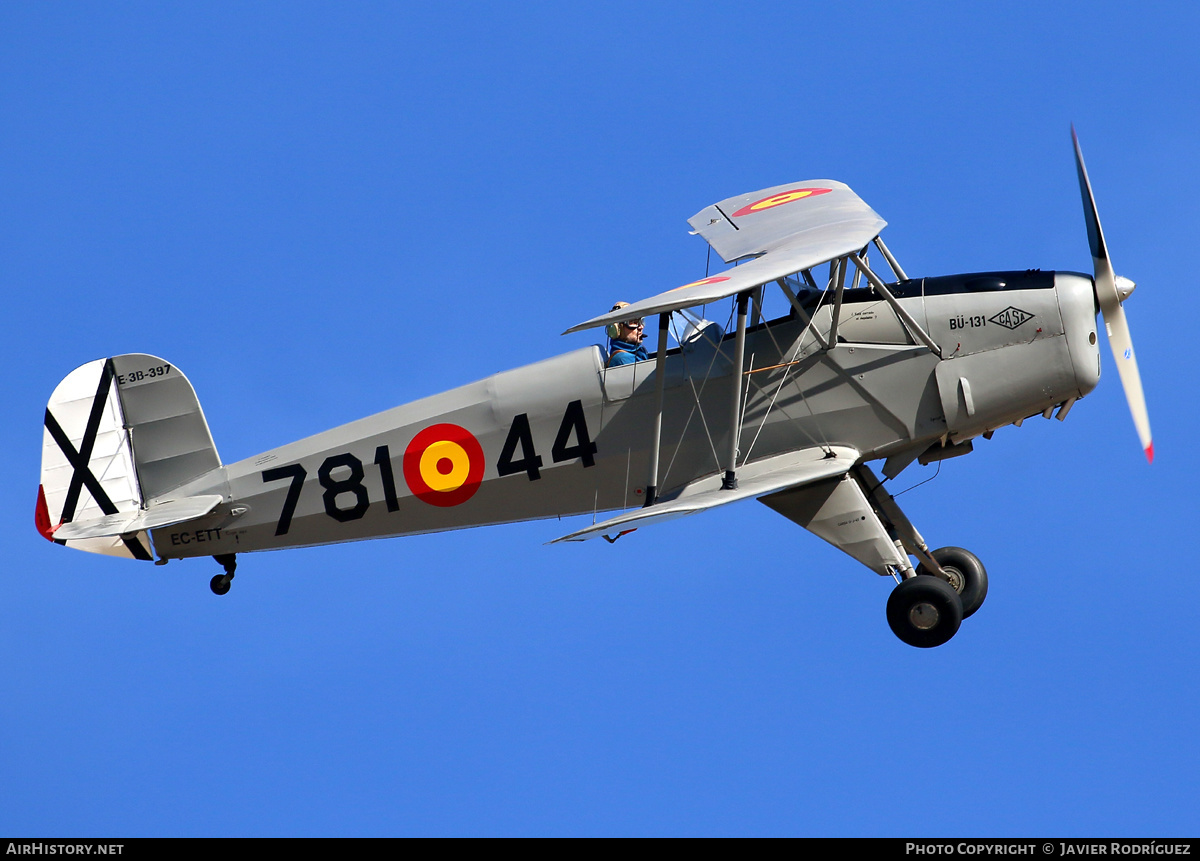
(1111, 291)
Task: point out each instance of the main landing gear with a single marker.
(221, 582)
(858, 516)
(925, 610)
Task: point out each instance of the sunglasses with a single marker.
(634, 324)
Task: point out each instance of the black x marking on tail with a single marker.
(80, 460)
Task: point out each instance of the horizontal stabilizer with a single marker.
(756, 479)
(127, 522)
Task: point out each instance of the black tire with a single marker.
(924, 611)
(220, 584)
(967, 576)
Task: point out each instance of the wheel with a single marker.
(220, 584)
(924, 611)
(967, 576)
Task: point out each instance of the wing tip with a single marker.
(1150, 452)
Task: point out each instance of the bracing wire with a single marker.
(919, 483)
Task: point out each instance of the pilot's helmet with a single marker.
(613, 330)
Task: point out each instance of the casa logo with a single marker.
(1010, 317)
(779, 199)
(443, 465)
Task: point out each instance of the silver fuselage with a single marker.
(565, 436)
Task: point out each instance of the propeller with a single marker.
(1111, 290)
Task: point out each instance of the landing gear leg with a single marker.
(916, 613)
(220, 583)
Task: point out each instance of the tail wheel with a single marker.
(220, 583)
(967, 576)
(924, 611)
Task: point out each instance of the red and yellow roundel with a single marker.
(443, 465)
(716, 279)
(780, 199)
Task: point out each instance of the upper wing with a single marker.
(754, 479)
(787, 228)
(759, 222)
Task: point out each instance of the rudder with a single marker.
(119, 434)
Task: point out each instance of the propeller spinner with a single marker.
(1111, 291)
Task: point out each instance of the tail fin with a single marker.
(119, 434)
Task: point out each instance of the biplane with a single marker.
(865, 364)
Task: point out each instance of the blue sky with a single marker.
(318, 211)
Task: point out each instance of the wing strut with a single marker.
(799, 309)
(887, 255)
(837, 300)
(660, 361)
(912, 325)
(729, 482)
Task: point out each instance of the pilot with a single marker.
(625, 340)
